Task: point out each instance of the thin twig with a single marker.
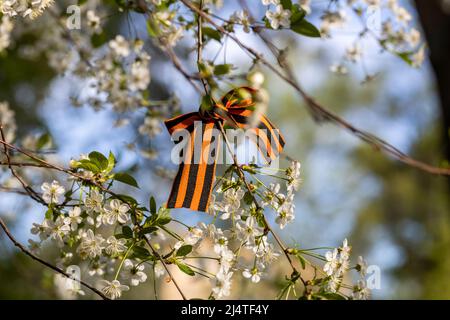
(45, 263)
(33, 194)
(319, 112)
(200, 45)
(101, 187)
(177, 64)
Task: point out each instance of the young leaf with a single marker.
(184, 251)
(211, 34)
(222, 69)
(127, 232)
(302, 261)
(141, 252)
(287, 4)
(305, 28)
(152, 205)
(148, 230)
(49, 214)
(43, 141)
(152, 28)
(111, 162)
(126, 178)
(99, 159)
(98, 39)
(88, 165)
(186, 269)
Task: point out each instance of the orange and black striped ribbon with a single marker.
(193, 183)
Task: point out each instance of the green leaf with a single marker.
(305, 28)
(152, 205)
(302, 261)
(206, 104)
(222, 69)
(405, 56)
(287, 4)
(44, 140)
(126, 178)
(99, 160)
(152, 28)
(49, 214)
(184, 250)
(248, 198)
(163, 217)
(141, 252)
(211, 34)
(111, 162)
(88, 165)
(148, 230)
(186, 269)
(164, 220)
(98, 39)
(297, 16)
(127, 232)
(128, 199)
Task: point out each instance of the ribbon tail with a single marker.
(193, 183)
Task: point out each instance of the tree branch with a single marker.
(319, 112)
(45, 263)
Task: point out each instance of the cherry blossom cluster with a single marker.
(385, 21)
(112, 238)
(25, 8)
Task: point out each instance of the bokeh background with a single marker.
(395, 216)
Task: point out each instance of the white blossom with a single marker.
(253, 274)
(360, 291)
(150, 127)
(93, 20)
(332, 262)
(94, 202)
(134, 273)
(91, 245)
(248, 230)
(120, 46)
(279, 17)
(53, 193)
(116, 211)
(75, 217)
(115, 246)
(222, 284)
(113, 289)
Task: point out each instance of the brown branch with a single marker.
(319, 112)
(33, 194)
(45, 263)
(156, 253)
(23, 164)
(177, 64)
(101, 187)
(14, 190)
(200, 45)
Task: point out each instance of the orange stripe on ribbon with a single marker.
(193, 183)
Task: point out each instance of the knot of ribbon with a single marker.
(193, 182)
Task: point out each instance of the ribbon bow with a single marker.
(193, 183)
